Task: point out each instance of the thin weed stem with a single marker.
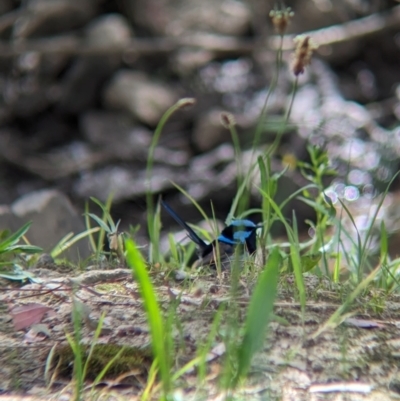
(153, 223)
(278, 137)
(274, 82)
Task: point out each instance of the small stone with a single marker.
(181, 275)
(44, 261)
(53, 217)
(109, 30)
(142, 96)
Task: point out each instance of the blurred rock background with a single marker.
(84, 83)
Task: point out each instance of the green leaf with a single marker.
(20, 275)
(14, 238)
(100, 222)
(173, 248)
(267, 186)
(98, 203)
(23, 248)
(309, 261)
(318, 208)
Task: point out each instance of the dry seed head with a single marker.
(290, 160)
(186, 101)
(305, 47)
(227, 120)
(113, 241)
(281, 19)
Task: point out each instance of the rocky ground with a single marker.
(297, 362)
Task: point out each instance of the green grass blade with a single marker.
(15, 237)
(151, 378)
(89, 227)
(65, 243)
(23, 248)
(187, 195)
(296, 193)
(100, 222)
(240, 194)
(296, 262)
(266, 186)
(210, 222)
(295, 255)
(364, 252)
(383, 260)
(63, 240)
(74, 341)
(173, 249)
(93, 343)
(384, 248)
(78, 366)
(336, 317)
(106, 368)
(259, 312)
(48, 366)
(205, 348)
(106, 213)
(161, 353)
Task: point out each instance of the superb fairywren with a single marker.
(239, 232)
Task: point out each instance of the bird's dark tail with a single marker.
(193, 236)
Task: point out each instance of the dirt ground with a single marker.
(289, 367)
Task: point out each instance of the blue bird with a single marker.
(239, 232)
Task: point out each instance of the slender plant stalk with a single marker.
(151, 379)
(152, 226)
(75, 344)
(106, 211)
(278, 137)
(271, 89)
(89, 227)
(336, 317)
(363, 251)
